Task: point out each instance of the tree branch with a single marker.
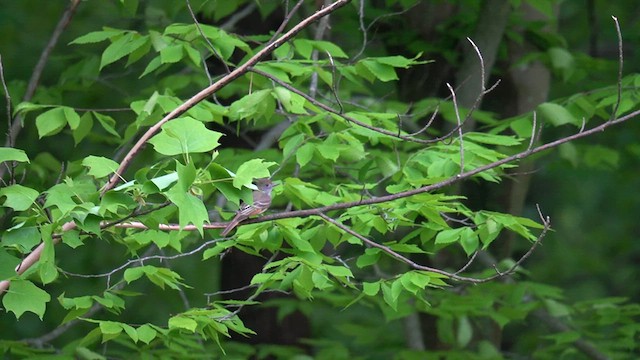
(453, 276)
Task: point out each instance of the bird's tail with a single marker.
(230, 227)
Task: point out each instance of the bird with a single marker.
(261, 202)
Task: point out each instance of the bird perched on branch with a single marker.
(261, 202)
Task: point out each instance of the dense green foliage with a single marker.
(408, 190)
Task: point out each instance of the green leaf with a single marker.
(259, 103)
(305, 154)
(22, 238)
(110, 330)
(19, 197)
(97, 36)
(8, 264)
(380, 71)
(72, 117)
(133, 274)
(338, 271)
(449, 236)
(153, 65)
(24, 296)
(100, 166)
(190, 208)
(252, 169)
(601, 157)
(305, 47)
(464, 333)
(556, 114)
(185, 135)
(47, 268)
(328, 151)
(11, 154)
(122, 47)
(51, 122)
(293, 237)
(291, 101)
(26, 107)
(146, 333)
(84, 128)
(171, 54)
(370, 289)
(107, 123)
(469, 240)
(370, 257)
(492, 139)
(181, 322)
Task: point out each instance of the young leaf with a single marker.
(99, 166)
(185, 135)
(97, 36)
(122, 47)
(19, 197)
(51, 122)
(25, 296)
(252, 169)
(11, 154)
(556, 114)
(181, 322)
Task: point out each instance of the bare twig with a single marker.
(457, 111)
(469, 262)
(253, 296)
(142, 260)
(364, 30)
(334, 83)
(7, 98)
(10, 166)
(533, 131)
(614, 114)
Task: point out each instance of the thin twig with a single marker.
(336, 112)
(10, 166)
(253, 296)
(614, 115)
(533, 131)
(457, 111)
(7, 98)
(414, 265)
(483, 90)
(286, 20)
(334, 83)
(142, 260)
(211, 47)
(469, 262)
